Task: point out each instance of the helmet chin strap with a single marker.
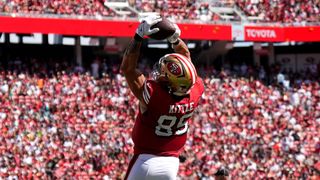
(176, 93)
(179, 94)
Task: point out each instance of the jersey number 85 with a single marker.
(166, 124)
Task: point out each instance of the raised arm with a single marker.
(177, 44)
(134, 77)
(181, 48)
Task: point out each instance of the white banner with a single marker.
(237, 32)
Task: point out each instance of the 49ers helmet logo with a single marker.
(174, 68)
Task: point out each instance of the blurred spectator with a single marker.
(280, 78)
(95, 68)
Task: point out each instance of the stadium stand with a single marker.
(70, 125)
(81, 7)
(281, 11)
(293, 11)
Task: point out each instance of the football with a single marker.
(166, 29)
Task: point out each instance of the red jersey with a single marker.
(162, 129)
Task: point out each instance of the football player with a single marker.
(166, 104)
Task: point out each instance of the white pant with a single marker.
(153, 167)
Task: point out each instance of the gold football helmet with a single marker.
(177, 72)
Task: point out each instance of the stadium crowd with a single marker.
(178, 10)
(293, 11)
(60, 7)
(73, 125)
(287, 11)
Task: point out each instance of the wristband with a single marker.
(137, 37)
(177, 42)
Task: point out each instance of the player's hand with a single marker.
(174, 38)
(144, 28)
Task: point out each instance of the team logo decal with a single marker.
(174, 68)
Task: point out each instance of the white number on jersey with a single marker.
(166, 123)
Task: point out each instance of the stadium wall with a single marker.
(125, 28)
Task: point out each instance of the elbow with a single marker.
(122, 67)
(125, 68)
